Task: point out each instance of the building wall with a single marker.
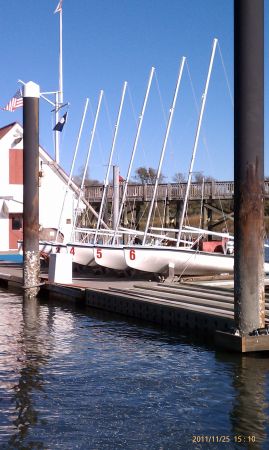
(51, 196)
(51, 192)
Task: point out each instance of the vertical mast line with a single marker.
(88, 156)
(59, 94)
(140, 121)
(110, 161)
(56, 133)
(171, 113)
(204, 96)
(72, 165)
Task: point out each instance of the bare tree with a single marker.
(147, 175)
(179, 177)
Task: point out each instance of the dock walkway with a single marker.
(202, 307)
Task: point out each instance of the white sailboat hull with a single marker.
(82, 253)
(110, 257)
(184, 261)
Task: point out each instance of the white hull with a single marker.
(184, 261)
(111, 257)
(82, 253)
(46, 247)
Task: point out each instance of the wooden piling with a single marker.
(31, 257)
(249, 164)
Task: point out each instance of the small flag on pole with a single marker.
(59, 126)
(15, 102)
(59, 7)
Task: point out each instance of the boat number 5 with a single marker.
(72, 250)
(132, 254)
(99, 253)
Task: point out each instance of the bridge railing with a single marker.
(172, 191)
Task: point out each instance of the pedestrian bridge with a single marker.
(223, 190)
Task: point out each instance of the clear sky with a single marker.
(106, 42)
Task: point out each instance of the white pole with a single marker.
(61, 93)
(164, 147)
(215, 41)
(140, 121)
(87, 159)
(110, 161)
(72, 166)
(56, 133)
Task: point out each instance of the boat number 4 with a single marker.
(99, 253)
(72, 250)
(132, 254)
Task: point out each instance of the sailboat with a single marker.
(83, 252)
(182, 259)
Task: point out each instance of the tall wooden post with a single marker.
(31, 258)
(249, 164)
(116, 196)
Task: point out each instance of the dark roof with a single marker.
(6, 129)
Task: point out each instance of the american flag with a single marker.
(15, 102)
(59, 7)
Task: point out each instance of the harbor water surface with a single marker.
(82, 379)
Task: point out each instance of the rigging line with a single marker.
(226, 76)
(160, 98)
(132, 104)
(100, 145)
(170, 141)
(204, 137)
(108, 115)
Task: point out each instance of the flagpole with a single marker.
(59, 94)
(57, 136)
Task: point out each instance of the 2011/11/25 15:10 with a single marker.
(238, 438)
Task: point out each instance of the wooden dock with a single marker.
(197, 307)
(223, 190)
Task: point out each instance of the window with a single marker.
(16, 223)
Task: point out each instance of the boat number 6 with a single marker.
(72, 250)
(132, 254)
(99, 253)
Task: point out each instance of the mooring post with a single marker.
(249, 164)
(31, 257)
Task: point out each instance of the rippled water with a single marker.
(81, 379)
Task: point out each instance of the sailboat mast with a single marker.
(110, 161)
(140, 121)
(204, 96)
(72, 166)
(88, 156)
(164, 147)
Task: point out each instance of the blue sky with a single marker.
(106, 42)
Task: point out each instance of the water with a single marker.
(81, 379)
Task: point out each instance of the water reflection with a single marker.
(31, 358)
(89, 380)
(249, 415)
(249, 412)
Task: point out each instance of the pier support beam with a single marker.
(249, 164)
(116, 196)
(167, 214)
(31, 257)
